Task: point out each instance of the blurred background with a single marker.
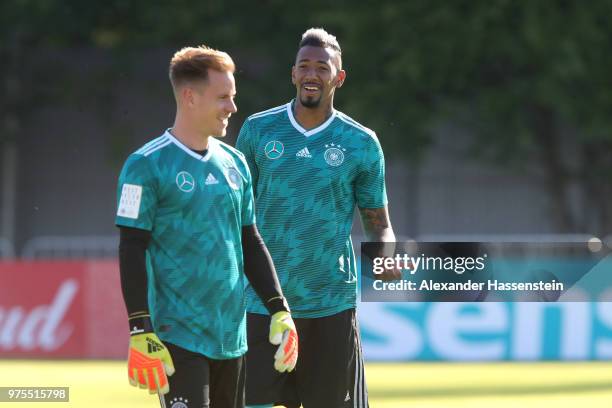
(495, 118)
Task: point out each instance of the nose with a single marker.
(232, 108)
(311, 73)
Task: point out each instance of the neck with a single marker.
(310, 118)
(188, 135)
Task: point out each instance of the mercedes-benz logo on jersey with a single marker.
(233, 178)
(185, 182)
(334, 155)
(274, 149)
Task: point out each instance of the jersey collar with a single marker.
(211, 142)
(310, 132)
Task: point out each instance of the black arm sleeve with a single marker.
(133, 243)
(259, 270)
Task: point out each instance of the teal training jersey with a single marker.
(307, 183)
(195, 207)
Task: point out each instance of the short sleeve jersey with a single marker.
(306, 184)
(195, 207)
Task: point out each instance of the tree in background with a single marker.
(528, 80)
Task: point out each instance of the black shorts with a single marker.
(329, 371)
(200, 381)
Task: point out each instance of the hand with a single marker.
(283, 333)
(149, 362)
(390, 274)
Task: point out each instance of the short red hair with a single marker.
(192, 64)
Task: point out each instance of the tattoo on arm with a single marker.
(376, 224)
(374, 219)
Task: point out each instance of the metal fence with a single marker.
(6, 248)
(72, 247)
(79, 247)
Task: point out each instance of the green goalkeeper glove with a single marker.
(149, 361)
(283, 333)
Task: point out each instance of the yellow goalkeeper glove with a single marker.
(149, 361)
(284, 334)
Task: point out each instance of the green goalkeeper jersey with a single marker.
(306, 184)
(195, 207)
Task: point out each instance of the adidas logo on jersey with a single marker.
(304, 153)
(210, 179)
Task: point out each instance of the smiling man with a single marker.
(311, 166)
(187, 240)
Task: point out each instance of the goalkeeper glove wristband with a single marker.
(149, 361)
(284, 334)
(277, 304)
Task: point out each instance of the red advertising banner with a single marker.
(61, 309)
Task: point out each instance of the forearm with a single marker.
(133, 244)
(259, 270)
(377, 225)
(383, 235)
(377, 228)
(379, 233)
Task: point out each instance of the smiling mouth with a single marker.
(311, 88)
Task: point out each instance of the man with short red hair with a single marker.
(188, 238)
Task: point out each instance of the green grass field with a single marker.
(577, 385)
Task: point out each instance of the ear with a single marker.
(293, 80)
(340, 77)
(188, 97)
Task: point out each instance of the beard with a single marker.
(310, 101)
